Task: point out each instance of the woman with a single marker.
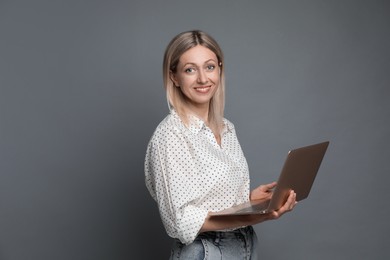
(194, 163)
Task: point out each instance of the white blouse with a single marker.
(188, 174)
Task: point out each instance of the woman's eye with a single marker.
(190, 70)
(210, 67)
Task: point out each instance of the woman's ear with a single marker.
(172, 76)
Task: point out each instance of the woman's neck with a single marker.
(201, 112)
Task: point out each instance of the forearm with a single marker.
(214, 223)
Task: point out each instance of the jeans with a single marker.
(239, 244)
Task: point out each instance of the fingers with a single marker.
(288, 206)
(291, 201)
(267, 187)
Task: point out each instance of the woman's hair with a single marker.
(178, 45)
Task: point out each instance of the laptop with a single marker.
(298, 173)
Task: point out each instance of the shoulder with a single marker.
(168, 128)
(228, 125)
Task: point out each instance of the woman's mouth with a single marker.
(203, 89)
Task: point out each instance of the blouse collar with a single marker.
(196, 124)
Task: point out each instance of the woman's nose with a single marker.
(202, 77)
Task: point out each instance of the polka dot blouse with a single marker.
(188, 174)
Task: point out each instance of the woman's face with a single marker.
(197, 75)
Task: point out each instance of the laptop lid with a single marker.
(298, 173)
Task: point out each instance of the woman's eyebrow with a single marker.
(189, 63)
(194, 64)
(210, 60)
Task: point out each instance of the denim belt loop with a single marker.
(217, 238)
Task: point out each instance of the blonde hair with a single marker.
(178, 45)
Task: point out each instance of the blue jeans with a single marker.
(239, 244)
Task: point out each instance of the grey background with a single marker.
(81, 94)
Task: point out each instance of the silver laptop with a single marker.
(298, 174)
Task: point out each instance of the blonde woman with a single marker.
(194, 164)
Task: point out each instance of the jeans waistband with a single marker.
(245, 231)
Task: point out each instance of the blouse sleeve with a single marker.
(171, 178)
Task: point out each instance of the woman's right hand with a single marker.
(287, 207)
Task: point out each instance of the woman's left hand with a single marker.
(263, 192)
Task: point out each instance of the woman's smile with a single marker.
(203, 89)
